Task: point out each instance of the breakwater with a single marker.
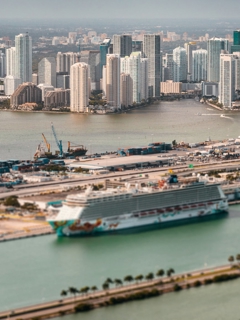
(122, 294)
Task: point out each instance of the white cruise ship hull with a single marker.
(153, 217)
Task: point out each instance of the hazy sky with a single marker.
(119, 9)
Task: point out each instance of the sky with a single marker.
(103, 9)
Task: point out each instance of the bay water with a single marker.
(185, 120)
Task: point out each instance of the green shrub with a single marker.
(208, 281)
(197, 283)
(177, 287)
(82, 307)
(12, 201)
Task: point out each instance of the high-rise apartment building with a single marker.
(144, 78)
(27, 92)
(179, 64)
(122, 45)
(10, 84)
(11, 61)
(227, 80)
(151, 50)
(199, 65)
(113, 80)
(236, 41)
(92, 58)
(47, 71)
(215, 47)
(104, 50)
(190, 46)
(2, 64)
(126, 90)
(136, 67)
(66, 60)
(23, 45)
(79, 86)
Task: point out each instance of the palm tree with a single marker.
(238, 258)
(231, 259)
(73, 291)
(128, 279)
(170, 272)
(149, 276)
(105, 286)
(139, 277)
(109, 281)
(118, 282)
(63, 293)
(160, 273)
(94, 288)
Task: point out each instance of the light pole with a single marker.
(141, 159)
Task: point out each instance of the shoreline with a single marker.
(125, 293)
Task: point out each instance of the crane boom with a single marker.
(46, 142)
(58, 142)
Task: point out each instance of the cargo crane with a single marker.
(58, 142)
(46, 142)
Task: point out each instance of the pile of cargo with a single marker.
(156, 147)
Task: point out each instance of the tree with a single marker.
(109, 280)
(149, 276)
(12, 201)
(160, 273)
(94, 288)
(139, 277)
(128, 279)
(84, 290)
(63, 293)
(170, 272)
(73, 291)
(105, 286)
(238, 258)
(231, 259)
(118, 282)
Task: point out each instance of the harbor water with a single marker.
(185, 120)
(214, 302)
(37, 269)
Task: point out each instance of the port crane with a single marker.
(58, 142)
(46, 142)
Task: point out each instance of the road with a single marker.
(28, 189)
(66, 305)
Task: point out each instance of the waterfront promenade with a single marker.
(101, 298)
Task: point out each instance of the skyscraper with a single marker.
(11, 61)
(23, 44)
(104, 46)
(66, 60)
(113, 80)
(151, 50)
(122, 45)
(199, 65)
(79, 86)
(136, 67)
(126, 90)
(92, 58)
(214, 47)
(47, 71)
(179, 64)
(190, 46)
(236, 41)
(2, 64)
(227, 80)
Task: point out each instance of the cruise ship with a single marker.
(122, 208)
